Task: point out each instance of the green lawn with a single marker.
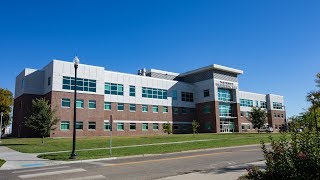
(2, 162)
(33, 145)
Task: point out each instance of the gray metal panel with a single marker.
(197, 77)
(226, 76)
(161, 76)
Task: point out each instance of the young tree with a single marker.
(257, 117)
(195, 125)
(167, 128)
(42, 118)
(6, 102)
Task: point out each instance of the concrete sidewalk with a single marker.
(227, 173)
(17, 160)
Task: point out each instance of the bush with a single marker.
(297, 157)
(167, 128)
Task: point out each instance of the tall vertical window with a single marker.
(92, 104)
(106, 126)
(49, 81)
(247, 114)
(120, 126)
(174, 95)
(154, 93)
(120, 106)
(277, 105)
(114, 89)
(257, 103)
(187, 96)
(155, 126)
(65, 103)
(155, 109)
(144, 108)
(132, 107)
(22, 83)
(184, 110)
(107, 105)
(206, 93)
(206, 109)
(165, 109)
(175, 110)
(246, 102)
(87, 85)
(65, 125)
(224, 94)
(80, 103)
(132, 91)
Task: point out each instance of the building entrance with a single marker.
(226, 126)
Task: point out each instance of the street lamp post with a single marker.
(1, 114)
(285, 118)
(314, 112)
(73, 155)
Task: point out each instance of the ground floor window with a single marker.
(226, 125)
(184, 127)
(155, 126)
(92, 126)
(120, 126)
(79, 125)
(207, 126)
(132, 126)
(106, 126)
(175, 127)
(144, 126)
(65, 125)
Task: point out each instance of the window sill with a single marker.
(64, 129)
(91, 129)
(65, 107)
(107, 130)
(120, 129)
(132, 130)
(92, 108)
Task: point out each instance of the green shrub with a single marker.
(167, 128)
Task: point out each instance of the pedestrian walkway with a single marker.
(16, 160)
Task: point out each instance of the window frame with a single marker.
(107, 104)
(119, 105)
(143, 125)
(133, 124)
(90, 103)
(121, 124)
(82, 102)
(206, 93)
(153, 109)
(155, 125)
(62, 99)
(92, 123)
(132, 105)
(64, 123)
(77, 124)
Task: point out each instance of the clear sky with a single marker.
(276, 43)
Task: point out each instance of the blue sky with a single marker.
(276, 43)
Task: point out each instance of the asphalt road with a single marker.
(149, 167)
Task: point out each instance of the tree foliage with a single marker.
(42, 118)
(258, 117)
(167, 128)
(195, 126)
(6, 102)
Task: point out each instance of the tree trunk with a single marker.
(42, 139)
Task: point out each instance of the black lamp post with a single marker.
(314, 112)
(73, 154)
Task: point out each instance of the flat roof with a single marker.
(213, 67)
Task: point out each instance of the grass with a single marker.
(2, 162)
(33, 145)
(160, 149)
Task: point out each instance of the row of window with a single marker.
(246, 102)
(277, 105)
(65, 125)
(278, 115)
(87, 85)
(154, 93)
(224, 95)
(225, 110)
(66, 103)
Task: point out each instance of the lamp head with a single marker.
(1, 113)
(76, 61)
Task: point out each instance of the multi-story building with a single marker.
(141, 103)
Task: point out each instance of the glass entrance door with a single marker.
(226, 126)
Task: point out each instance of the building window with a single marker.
(92, 104)
(22, 83)
(49, 81)
(191, 110)
(174, 95)
(132, 126)
(224, 94)
(206, 93)
(79, 125)
(120, 126)
(80, 103)
(225, 110)
(88, 85)
(257, 104)
(184, 110)
(92, 126)
(243, 127)
(106, 126)
(114, 89)
(65, 103)
(144, 108)
(144, 126)
(65, 125)
(155, 126)
(132, 90)
(263, 104)
(246, 102)
(277, 105)
(175, 127)
(275, 115)
(247, 114)
(241, 114)
(165, 109)
(154, 93)
(184, 127)
(132, 107)
(206, 109)
(175, 110)
(120, 106)
(282, 116)
(187, 96)
(107, 105)
(207, 126)
(155, 109)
